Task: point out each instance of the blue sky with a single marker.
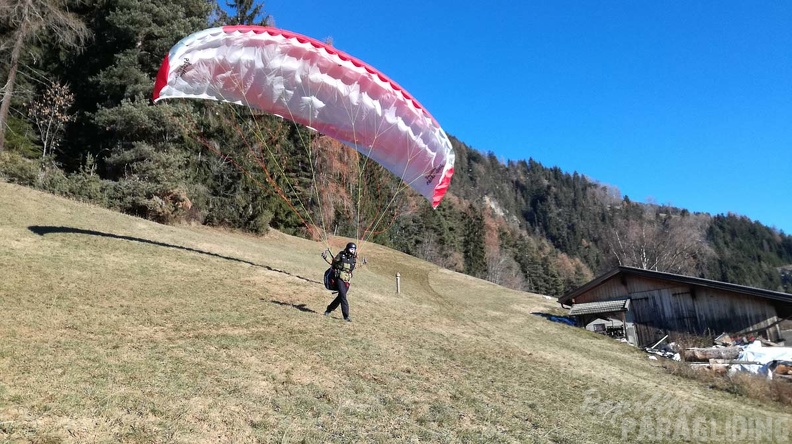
(681, 103)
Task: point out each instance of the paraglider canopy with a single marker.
(313, 84)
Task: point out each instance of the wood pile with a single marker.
(724, 356)
(783, 370)
(705, 354)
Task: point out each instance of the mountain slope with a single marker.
(117, 329)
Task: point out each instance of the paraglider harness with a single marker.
(329, 279)
(337, 265)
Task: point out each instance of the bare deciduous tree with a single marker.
(674, 244)
(503, 270)
(27, 20)
(50, 114)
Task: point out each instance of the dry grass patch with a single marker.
(115, 329)
(754, 387)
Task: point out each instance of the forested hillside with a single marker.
(80, 123)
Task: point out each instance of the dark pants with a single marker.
(342, 288)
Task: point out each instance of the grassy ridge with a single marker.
(116, 329)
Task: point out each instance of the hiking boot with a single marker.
(348, 319)
(327, 313)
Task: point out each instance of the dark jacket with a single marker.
(344, 264)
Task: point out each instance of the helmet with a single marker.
(351, 247)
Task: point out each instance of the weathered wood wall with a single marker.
(659, 307)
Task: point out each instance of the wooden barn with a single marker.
(653, 304)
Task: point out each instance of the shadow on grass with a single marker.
(300, 307)
(42, 230)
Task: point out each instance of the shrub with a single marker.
(745, 384)
(260, 224)
(15, 168)
(21, 138)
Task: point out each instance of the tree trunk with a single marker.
(9, 86)
(705, 354)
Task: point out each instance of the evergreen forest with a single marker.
(77, 120)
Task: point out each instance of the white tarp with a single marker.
(755, 352)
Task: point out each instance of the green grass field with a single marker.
(116, 329)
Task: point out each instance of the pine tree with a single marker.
(473, 243)
(243, 12)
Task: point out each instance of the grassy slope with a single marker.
(116, 329)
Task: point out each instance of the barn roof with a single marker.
(742, 289)
(599, 307)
